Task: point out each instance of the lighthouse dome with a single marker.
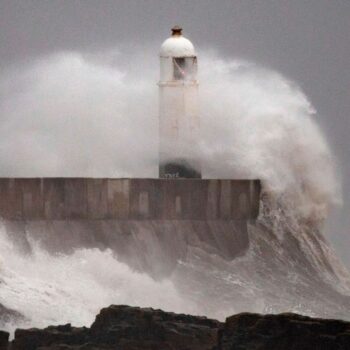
(177, 45)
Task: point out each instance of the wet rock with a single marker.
(127, 328)
(4, 340)
(33, 339)
(133, 328)
(283, 332)
(136, 328)
(77, 347)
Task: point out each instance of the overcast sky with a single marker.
(307, 41)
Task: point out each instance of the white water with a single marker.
(49, 289)
(85, 115)
(259, 124)
(93, 115)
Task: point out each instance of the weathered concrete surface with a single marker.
(128, 199)
(148, 223)
(143, 221)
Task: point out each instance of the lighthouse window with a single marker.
(185, 68)
(179, 68)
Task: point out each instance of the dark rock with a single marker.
(75, 347)
(4, 340)
(127, 328)
(133, 328)
(281, 332)
(136, 328)
(33, 339)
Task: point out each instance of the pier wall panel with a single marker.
(128, 199)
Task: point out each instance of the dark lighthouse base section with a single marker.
(180, 168)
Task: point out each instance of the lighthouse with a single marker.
(179, 123)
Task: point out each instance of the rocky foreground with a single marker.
(133, 328)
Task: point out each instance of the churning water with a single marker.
(88, 115)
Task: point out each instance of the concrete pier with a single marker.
(128, 199)
(148, 223)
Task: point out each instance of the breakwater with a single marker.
(129, 199)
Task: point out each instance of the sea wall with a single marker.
(128, 199)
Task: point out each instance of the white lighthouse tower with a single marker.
(178, 109)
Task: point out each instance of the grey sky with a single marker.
(308, 41)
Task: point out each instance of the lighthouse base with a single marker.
(179, 168)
